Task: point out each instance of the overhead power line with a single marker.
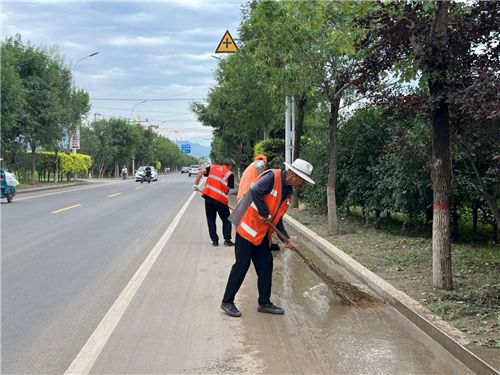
(148, 100)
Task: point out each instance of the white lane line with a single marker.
(66, 191)
(66, 208)
(113, 195)
(139, 187)
(84, 361)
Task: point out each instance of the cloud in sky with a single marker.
(148, 50)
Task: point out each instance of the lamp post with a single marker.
(85, 57)
(76, 134)
(135, 105)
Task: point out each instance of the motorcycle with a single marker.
(124, 174)
(146, 178)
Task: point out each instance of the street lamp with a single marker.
(135, 105)
(85, 57)
(77, 133)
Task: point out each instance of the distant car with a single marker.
(194, 169)
(185, 170)
(141, 171)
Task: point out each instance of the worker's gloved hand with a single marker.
(265, 218)
(290, 244)
(196, 188)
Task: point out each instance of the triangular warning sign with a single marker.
(227, 44)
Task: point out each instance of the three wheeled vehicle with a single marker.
(7, 185)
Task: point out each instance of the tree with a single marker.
(416, 41)
(239, 108)
(42, 84)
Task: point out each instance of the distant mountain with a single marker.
(197, 150)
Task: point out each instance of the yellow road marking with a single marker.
(113, 195)
(66, 208)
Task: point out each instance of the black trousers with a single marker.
(212, 208)
(262, 260)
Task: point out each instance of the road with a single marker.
(122, 278)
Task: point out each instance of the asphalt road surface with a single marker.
(122, 278)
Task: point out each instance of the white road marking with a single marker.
(66, 208)
(85, 360)
(113, 195)
(139, 187)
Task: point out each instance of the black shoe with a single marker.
(230, 309)
(275, 246)
(215, 243)
(228, 243)
(270, 309)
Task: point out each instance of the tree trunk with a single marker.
(441, 159)
(56, 152)
(475, 208)
(496, 238)
(377, 218)
(299, 125)
(332, 170)
(33, 164)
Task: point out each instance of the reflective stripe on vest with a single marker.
(251, 226)
(216, 183)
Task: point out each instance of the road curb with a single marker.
(42, 188)
(440, 331)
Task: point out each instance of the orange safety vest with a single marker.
(248, 177)
(216, 183)
(251, 226)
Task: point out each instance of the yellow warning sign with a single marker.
(227, 44)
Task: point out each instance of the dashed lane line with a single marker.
(66, 208)
(84, 361)
(113, 195)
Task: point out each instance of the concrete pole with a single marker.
(287, 130)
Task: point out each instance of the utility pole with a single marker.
(289, 129)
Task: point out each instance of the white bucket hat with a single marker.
(302, 168)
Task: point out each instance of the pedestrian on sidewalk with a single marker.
(267, 201)
(220, 179)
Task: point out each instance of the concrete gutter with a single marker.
(440, 331)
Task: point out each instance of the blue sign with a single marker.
(186, 148)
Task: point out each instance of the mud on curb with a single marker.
(450, 338)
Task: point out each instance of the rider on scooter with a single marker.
(124, 172)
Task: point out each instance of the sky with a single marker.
(147, 50)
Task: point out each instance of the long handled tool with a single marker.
(348, 293)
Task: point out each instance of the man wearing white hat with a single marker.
(266, 202)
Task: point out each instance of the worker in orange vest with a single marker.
(267, 201)
(249, 176)
(251, 173)
(220, 178)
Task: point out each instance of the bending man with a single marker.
(268, 201)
